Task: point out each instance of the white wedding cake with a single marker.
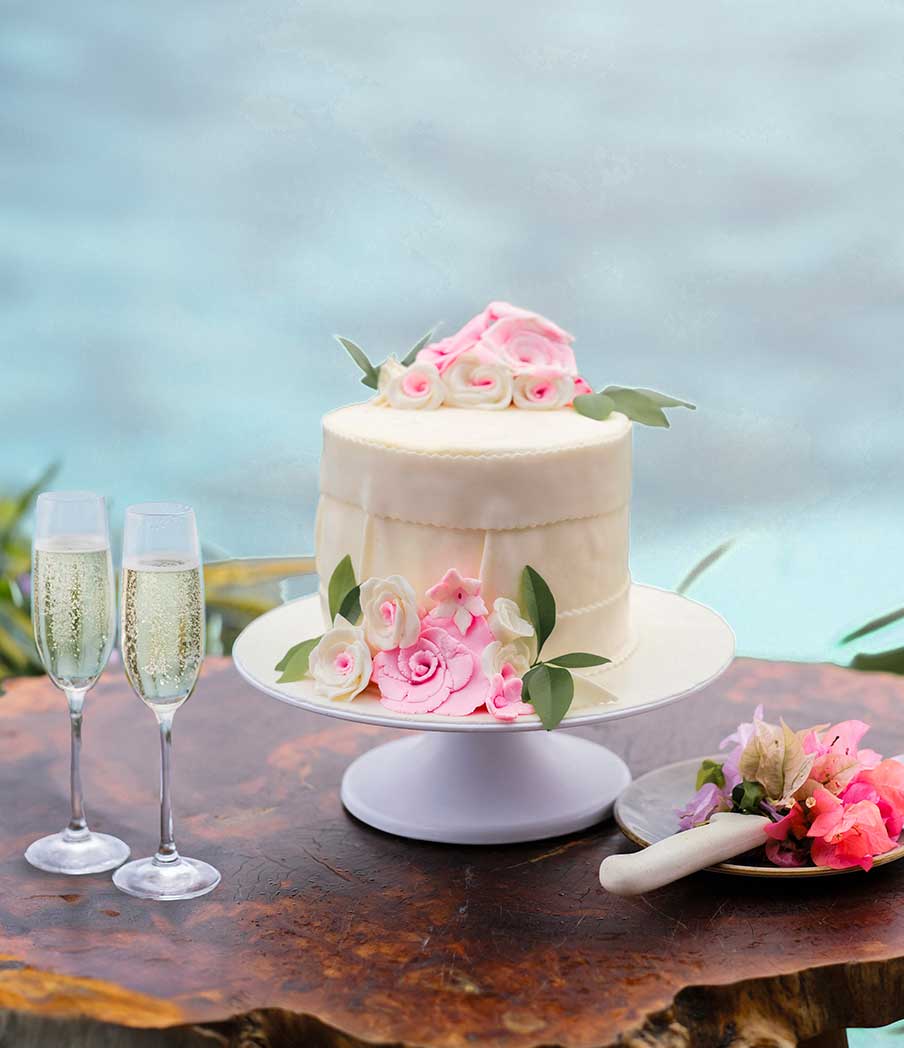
(472, 529)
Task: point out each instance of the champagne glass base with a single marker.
(77, 853)
(164, 881)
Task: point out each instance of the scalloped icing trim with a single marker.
(490, 456)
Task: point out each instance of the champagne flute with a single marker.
(162, 640)
(73, 612)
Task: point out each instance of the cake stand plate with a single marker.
(476, 780)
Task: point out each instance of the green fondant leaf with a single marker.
(710, 771)
(539, 603)
(663, 400)
(644, 405)
(371, 374)
(637, 406)
(577, 660)
(350, 608)
(594, 405)
(342, 581)
(549, 689)
(412, 353)
(294, 664)
(284, 661)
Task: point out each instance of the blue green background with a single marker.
(194, 198)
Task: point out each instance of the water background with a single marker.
(193, 198)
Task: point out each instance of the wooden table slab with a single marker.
(327, 932)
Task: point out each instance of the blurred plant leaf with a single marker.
(22, 503)
(644, 405)
(891, 661)
(874, 625)
(704, 565)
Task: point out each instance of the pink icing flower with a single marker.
(438, 673)
(504, 700)
(446, 351)
(846, 834)
(884, 786)
(582, 387)
(516, 336)
(526, 340)
(457, 599)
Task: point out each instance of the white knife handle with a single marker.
(725, 835)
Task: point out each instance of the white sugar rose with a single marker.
(418, 386)
(477, 381)
(341, 663)
(543, 389)
(497, 655)
(389, 607)
(506, 623)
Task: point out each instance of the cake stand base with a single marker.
(484, 788)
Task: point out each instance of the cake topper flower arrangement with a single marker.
(504, 356)
(454, 658)
(830, 802)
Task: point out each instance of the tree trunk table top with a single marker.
(325, 931)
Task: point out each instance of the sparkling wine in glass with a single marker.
(162, 639)
(74, 618)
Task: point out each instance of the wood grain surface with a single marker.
(326, 932)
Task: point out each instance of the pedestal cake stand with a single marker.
(476, 780)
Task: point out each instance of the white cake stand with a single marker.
(476, 780)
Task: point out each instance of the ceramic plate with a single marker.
(645, 813)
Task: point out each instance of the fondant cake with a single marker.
(413, 493)
(472, 529)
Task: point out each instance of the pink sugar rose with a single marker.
(437, 673)
(516, 336)
(846, 834)
(504, 700)
(526, 341)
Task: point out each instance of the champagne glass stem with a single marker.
(78, 824)
(166, 852)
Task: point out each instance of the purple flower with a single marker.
(705, 803)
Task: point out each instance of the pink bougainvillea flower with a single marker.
(738, 741)
(438, 672)
(846, 834)
(504, 700)
(787, 844)
(838, 759)
(884, 786)
(457, 599)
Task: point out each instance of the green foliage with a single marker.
(18, 655)
(549, 689)
(342, 583)
(703, 566)
(371, 374)
(640, 405)
(748, 797)
(412, 353)
(294, 664)
(548, 686)
(710, 771)
(539, 604)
